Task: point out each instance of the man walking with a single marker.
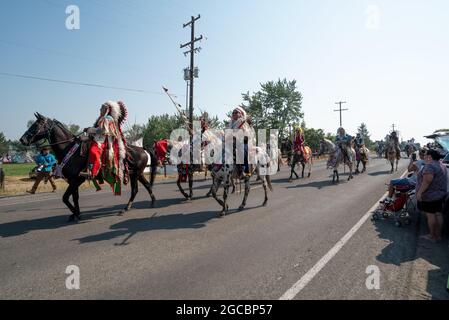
(45, 161)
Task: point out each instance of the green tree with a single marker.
(313, 137)
(160, 127)
(363, 130)
(74, 129)
(275, 106)
(18, 146)
(330, 136)
(135, 132)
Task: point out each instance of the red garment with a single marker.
(95, 158)
(161, 148)
(298, 143)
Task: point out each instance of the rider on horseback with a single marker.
(359, 141)
(393, 139)
(343, 141)
(298, 141)
(240, 120)
(107, 151)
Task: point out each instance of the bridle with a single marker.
(47, 135)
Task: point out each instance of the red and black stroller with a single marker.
(399, 209)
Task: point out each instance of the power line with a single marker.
(7, 74)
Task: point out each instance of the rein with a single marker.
(47, 133)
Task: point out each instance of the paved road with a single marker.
(182, 250)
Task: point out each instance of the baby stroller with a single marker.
(399, 209)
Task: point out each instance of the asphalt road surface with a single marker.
(183, 250)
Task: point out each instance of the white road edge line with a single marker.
(304, 281)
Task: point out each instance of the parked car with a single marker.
(441, 139)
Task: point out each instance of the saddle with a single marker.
(85, 142)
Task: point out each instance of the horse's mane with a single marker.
(63, 128)
(329, 144)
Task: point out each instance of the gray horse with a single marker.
(336, 158)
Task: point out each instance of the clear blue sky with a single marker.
(393, 71)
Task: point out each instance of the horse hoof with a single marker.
(74, 218)
(264, 204)
(241, 208)
(222, 214)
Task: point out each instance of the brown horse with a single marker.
(62, 141)
(361, 155)
(393, 155)
(304, 160)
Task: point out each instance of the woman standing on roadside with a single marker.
(431, 191)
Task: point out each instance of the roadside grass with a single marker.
(17, 169)
(18, 185)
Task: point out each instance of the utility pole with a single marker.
(192, 52)
(393, 126)
(341, 111)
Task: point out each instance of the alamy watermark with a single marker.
(373, 280)
(73, 21)
(72, 282)
(229, 147)
(373, 17)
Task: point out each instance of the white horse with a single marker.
(337, 157)
(227, 173)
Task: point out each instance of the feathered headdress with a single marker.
(117, 110)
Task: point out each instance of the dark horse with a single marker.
(61, 141)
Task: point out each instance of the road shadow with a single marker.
(17, 228)
(315, 184)
(405, 246)
(131, 227)
(380, 173)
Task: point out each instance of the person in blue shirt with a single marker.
(343, 141)
(45, 162)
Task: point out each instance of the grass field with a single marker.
(17, 169)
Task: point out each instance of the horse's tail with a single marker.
(153, 165)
